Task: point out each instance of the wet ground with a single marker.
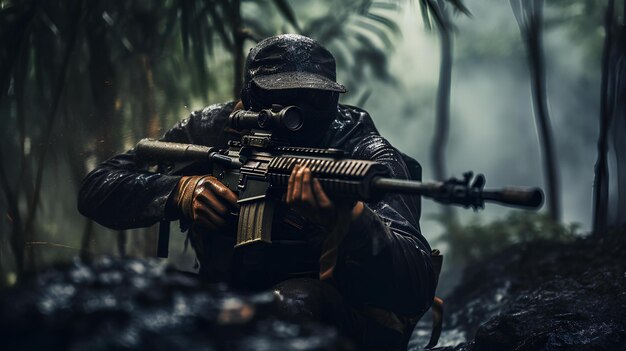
(536, 296)
(542, 296)
(128, 304)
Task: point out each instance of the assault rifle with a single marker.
(258, 166)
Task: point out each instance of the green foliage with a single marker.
(435, 11)
(476, 240)
(360, 34)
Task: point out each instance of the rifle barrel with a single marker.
(391, 185)
(512, 196)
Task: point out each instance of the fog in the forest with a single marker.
(492, 128)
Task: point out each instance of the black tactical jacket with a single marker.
(384, 261)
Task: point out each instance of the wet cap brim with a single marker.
(297, 80)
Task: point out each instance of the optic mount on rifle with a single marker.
(264, 126)
(287, 118)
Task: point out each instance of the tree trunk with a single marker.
(529, 15)
(608, 212)
(16, 240)
(601, 181)
(19, 236)
(104, 92)
(46, 138)
(619, 119)
(619, 147)
(621, 116)
(542, 117)
(103, 89)
(442, 118)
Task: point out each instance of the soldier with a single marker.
(362, 267)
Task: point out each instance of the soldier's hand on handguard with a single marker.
(306, 195)
(205, 201)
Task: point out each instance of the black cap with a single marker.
(291, 61)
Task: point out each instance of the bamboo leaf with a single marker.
(459, 6)
(169, 27)
(364, 7)
(385, 5)
(436, 13)
(375, 57)
(256, 29)
(219, 25)
(425, 11)
(324, 31)
(385, 21)
(380, 33)
(286, 10)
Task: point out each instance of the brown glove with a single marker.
(306, 195)
(205, 201)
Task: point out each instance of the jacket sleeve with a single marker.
(384, 261)
(121, 193)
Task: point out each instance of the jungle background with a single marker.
(528, 93)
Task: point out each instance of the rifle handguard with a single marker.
(346, 178)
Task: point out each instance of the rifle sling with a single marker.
(163, 242)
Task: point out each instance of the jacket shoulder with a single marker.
(351, 125)
(203, 127)
(358, 116)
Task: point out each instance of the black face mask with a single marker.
(318, 107)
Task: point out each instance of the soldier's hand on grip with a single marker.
(205, 201)
(306, 195)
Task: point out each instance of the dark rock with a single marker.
(137, 304)
(543, 296)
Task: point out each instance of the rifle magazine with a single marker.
(255, 222)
